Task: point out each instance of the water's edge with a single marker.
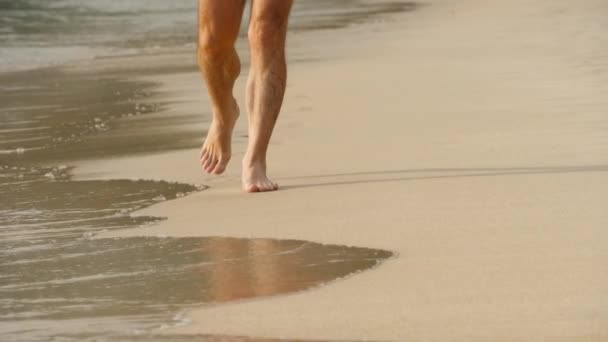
(53, 271)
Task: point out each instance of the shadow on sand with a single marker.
(429, 173)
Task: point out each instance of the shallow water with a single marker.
(37, 33)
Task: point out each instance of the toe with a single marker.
(211, 165)
(204, 160)
(271, 186)
(221, 165)
(267, 186)
(219, 169)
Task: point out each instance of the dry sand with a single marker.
(470, 137)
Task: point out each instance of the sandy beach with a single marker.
(468, 137)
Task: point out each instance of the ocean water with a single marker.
(36, 33)
(42, 32)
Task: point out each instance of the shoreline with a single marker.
(461, 147)
(326, 17)
(106, 103)
(463, 166)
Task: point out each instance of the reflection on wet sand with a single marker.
(113, 286)
(262, 267)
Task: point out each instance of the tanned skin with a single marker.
(219, 23)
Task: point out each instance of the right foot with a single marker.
(254, 178)
(216, 151)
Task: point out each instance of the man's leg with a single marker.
(265, 87)
(219, 23)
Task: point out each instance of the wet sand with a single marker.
(59, 283)
(136, 287)
(469, 138)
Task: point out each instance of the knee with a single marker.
(213, 46)
(267, 33)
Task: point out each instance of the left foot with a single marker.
(216, 151)
(254, 178)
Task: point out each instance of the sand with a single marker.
(469, 137)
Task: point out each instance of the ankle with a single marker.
(224, 116)
(220, 123)
(250, 161)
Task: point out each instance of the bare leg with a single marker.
(219, 23)
(265, 87)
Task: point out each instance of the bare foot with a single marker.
(216, 151)
(254, 178)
